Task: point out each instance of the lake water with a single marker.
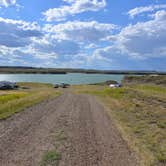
(71, 78)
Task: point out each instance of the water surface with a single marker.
(71, 78)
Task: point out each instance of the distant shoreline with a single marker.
(32, 70)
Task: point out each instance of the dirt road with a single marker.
(90, 138)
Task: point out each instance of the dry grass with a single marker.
(14, 101)
(139, 113)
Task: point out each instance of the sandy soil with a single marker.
(91, 139)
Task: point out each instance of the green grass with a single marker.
(9, 97)
(139, 113)
(14, 101)
(151, 89)
(51, 158)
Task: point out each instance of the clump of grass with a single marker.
(161, 157)
(161, 124)
(116, 93)
(61, 136)
(51, 158)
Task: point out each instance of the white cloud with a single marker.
(69, 39)
(142, 40)
(139, 10)
(74, 7)
(48, 44)
(20, 39)
(53, 44)
(80, 31)
(145, 38)
(17, 33)
(69, 1)
(91, 46)
(7, 3)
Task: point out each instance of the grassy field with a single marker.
(139, 113)
(13, 101)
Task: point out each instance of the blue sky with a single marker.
(96, 34)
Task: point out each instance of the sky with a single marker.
(90, 34)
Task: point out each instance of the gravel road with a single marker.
(90, 137)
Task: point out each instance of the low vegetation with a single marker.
(53, 157)
(139, 113)
(13, 101)
(145, 79)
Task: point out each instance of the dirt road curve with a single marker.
(90, 137)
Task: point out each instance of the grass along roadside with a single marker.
(140, 119)
(14, 101)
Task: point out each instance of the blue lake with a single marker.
(71, 78)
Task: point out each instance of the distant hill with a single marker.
(33, 70)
